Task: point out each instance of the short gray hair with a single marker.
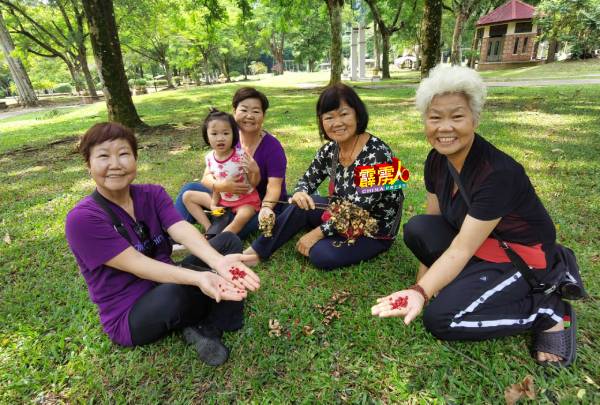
(452, 79)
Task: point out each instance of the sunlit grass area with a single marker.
(51, 342)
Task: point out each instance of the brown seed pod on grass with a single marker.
(351, 221)
(265, 225)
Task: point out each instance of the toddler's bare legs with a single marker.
(242, 216)
(195, 202)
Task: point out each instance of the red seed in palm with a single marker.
(237, 273)
(400, 302)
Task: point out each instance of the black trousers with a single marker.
(324, 254)
(486, 300)
(173, 306)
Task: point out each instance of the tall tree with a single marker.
(334, 8)
(313, 41)
(576, 22)
(386, 30)
(152, 39)
(462, 9)
(430, 34)
(55, 29)
(26, 95)
(109, 60)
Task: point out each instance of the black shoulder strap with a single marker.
(117, 224)
(514, 257)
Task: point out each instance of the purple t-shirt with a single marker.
(271, 161)
(94, 241)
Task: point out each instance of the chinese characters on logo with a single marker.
(381, 177)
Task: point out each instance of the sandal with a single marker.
(561, 343)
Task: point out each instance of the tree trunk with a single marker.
(552, 49)
(206, 69)
(335, 20)
(74, 72)
(246, 60)
(89, 80)
(385, 62)
(26, 94)
(376, 38)
(473, 56)
(168, 73)
(277, 51)
(455, 56)
(432, 21)
(102, 27)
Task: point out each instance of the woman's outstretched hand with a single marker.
(406, 304)
(302, 200)
(231, 268)
(218, 288)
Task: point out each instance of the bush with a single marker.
(160, 82)
(234, 73)
(257, 67)
(140, 82)
(63, 88)
(177, 80)
(99, 86)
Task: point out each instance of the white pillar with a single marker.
(354, 55)
(362, 53)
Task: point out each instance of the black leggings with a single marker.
(173, 306)
(485, 300)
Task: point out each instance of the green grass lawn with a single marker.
(51, 344)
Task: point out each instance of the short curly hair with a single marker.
(106, 131)
(452, 79)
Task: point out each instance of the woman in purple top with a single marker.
(119, 236)
(249, 108)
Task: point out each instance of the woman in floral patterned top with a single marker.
(342, 118)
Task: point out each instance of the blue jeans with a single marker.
(251, 226)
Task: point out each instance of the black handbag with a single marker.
(566, 282)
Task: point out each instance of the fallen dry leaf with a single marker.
(329, 309)
(274, 328)
(581, 393)
(515, 392)
(589, 380)
(308, 330)
(7, 239)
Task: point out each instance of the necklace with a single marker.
(348, 158)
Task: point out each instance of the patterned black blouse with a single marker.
(383, 206)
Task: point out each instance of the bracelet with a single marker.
(420, 290)
(266, 206)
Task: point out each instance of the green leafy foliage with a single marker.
(576, 22)
(63, 88)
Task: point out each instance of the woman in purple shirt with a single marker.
(249, 108)
(119, 236)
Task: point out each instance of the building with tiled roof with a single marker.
(507, 37)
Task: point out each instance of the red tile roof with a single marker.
(510, 11)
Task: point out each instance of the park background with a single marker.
(179, 58)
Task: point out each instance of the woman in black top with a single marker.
(342, 119)
(480, 294)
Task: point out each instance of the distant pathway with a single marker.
(514, 83)
(14, 112)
